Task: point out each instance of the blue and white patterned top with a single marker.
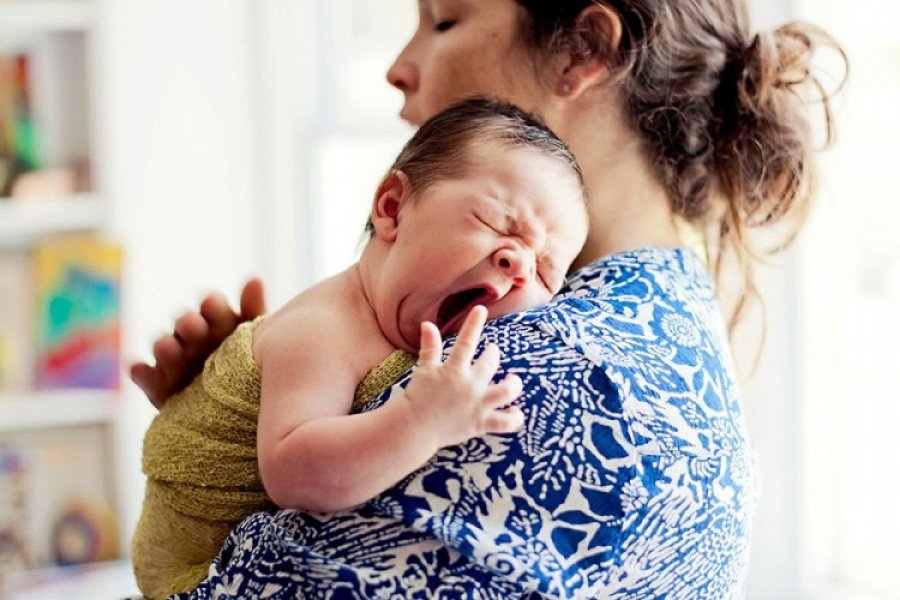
(632, 477)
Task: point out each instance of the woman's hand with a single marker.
(456, 399)
(180, 355)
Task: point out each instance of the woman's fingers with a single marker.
(169, 373)
(168, 350)
(430, 345)
(221, 318)
(467, 339)
(191, 328)
(147, 378)
(180, 355)
(253, 300)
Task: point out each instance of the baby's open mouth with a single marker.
(455, 307)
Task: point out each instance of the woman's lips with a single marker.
(410, 119)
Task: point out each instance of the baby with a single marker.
(480, 216)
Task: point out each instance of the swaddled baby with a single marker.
(479, 216)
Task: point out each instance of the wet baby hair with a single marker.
(440, 149)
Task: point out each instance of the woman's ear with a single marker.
(392, 194)
(591, 52)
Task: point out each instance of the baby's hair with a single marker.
(441, 148)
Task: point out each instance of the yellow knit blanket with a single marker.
(201, 465)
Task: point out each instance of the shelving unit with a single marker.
(29, 411)
(28, 16)
(60, 39)
(24, 222)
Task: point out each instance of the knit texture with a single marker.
(382, 377)
(201, 464)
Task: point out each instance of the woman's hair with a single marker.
(722, 113)
(441, 148)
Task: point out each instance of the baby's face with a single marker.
(502, 236)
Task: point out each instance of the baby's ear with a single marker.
(392, 194)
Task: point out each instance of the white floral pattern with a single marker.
(632, 478)
(681, 330)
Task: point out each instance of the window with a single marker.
(849, 307)
(330, 126)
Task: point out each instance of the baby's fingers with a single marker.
(429, 344)
(467, 340)
(504, 392)
(488, 363)
(504, 420)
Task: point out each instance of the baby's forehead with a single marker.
(525, 207)
(511, 178)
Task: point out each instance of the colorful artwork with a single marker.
(78, 325)
(18, 136)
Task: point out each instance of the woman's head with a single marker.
(462, 48)
(718, 112)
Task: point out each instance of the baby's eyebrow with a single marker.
(525, 227)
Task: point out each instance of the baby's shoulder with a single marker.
(311, 326)
(298, 320)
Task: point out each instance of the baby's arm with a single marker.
(315, 456)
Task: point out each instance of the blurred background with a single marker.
(152, 151)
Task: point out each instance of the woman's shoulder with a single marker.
(650, 294)
(650, 308)
(641, 273)
(628, 291)
(645, 323)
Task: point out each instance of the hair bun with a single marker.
(763, 129)
(777, 61)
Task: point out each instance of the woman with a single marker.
(632, 477)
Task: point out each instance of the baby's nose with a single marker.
(515, 263)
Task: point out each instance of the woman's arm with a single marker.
(180, 355)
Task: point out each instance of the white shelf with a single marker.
(24, 221)
(41, 410)
(114, 579)
(27, 16)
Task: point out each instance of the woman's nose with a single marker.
(403, 75)
(516, 263)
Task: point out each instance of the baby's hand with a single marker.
(456, 399)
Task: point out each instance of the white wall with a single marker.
(773, 409)
(180, 163)
(211, 115)
(330, 126)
